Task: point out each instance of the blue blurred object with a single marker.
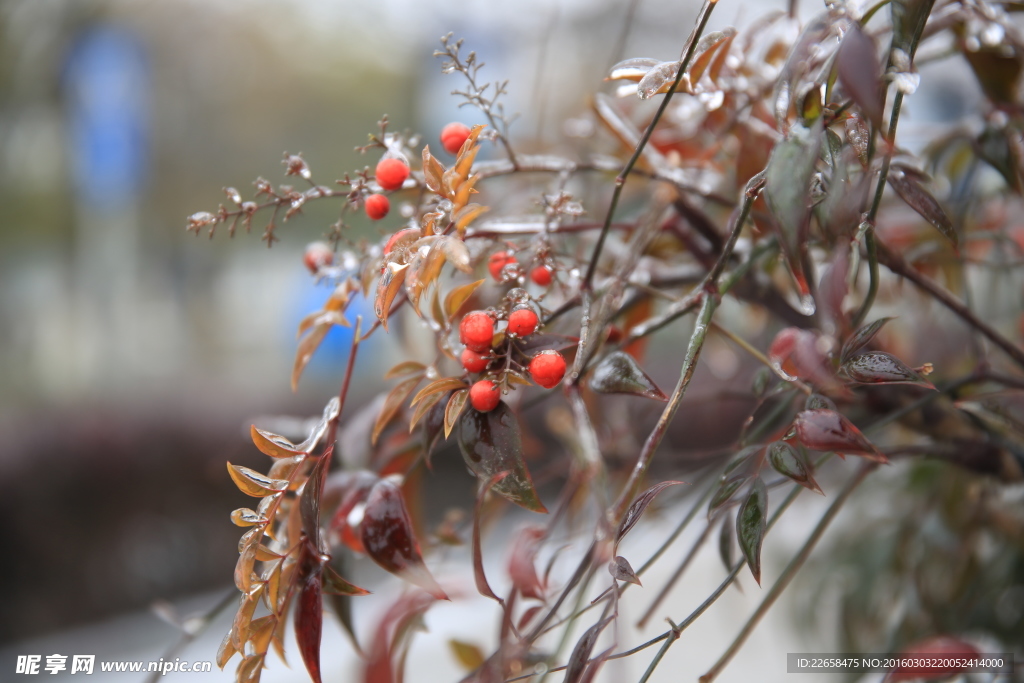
(107, 77)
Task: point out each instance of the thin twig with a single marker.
(620, 180)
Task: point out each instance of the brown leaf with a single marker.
(438, 385)
(827, 430)
(307, 347)
(432, 170)
(387, 535)
(705, 51)
(458, 296)
(309, 613)
(860, 73)
(522, 562)
(639, 505)
(454, 409)
(392, 404)
(253, 483)
(406, 367)
(482, 586)
(387, 289)
(422, 408)
(468, 655)
(581, 653)
(920, 200)
(621, 570)
(466, 215)
(271, 444)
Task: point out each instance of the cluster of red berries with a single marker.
(540, 275)
(392, 172)
(476, 331)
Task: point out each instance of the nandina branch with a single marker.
(620, 181)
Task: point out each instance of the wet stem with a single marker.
(620, 181)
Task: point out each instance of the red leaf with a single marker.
(795, 353)
(581, 653)
(937, 648)
(521, 567)
(387, 535)
(381, 666)
(827, 430)
(309, 615)
(859, 72)
(352, 488)
(636, 509)
(482, 586)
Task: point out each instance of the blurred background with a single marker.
(133, 355)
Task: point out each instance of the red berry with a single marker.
(484, 395)
(473, 361)
(453, 135)
(391, 173)
(401, 235)
(497, 263)
(377, 206)
(317, 256)
(547, 368)
(522, 322)
(541, 275)
(476, 331)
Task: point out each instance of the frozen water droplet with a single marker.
(993, 34)
(906, 82)
(431, 372)
(807, 306)
(712, 100)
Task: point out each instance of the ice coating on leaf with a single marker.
(619, 373)
(658, 78)
(751, 524)
(876, 367)
(632, 69)
(789, 462)
(388, 537)
(639, 505)
(490, 443)
(827, 430)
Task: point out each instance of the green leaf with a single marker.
(789, 462)
(751, 523)
(921, 201)
(490, 444)
(860, 338)
(619, 373)
(787, 192)
(908, 20)
(876, 367)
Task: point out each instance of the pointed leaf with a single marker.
(632, 69)
(252, 483)
(751, 523)
(725, 544)
(581, 653)
(226, 651)
(336, 585)
(621, 570)
(920, 200)
(522, 560)
(619, 373)
(387, 289)
(309, 613)
(438, 386)
(875, 367)
(705, 52)
(789, 462)
(406, 367)
(465, 216)
(453, 409)
(331, 412)
(658, 79)
(479, 577)
(860, 72)
(490, 443)
(639, 505)
(422, 408)
(861, 338)
(787, 192)
(247, 517)
(908, 21)
(432, 170)
(726, 488)
(392, 404)
(827, 430)
(387, 535)
(271, 444)
(260, 632)
(468, 655)
(307, 347)
(457, 297)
